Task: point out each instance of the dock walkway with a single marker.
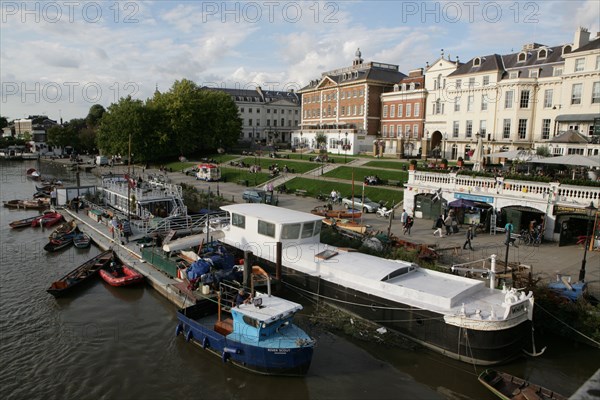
(171, 289)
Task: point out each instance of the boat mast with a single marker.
(129, 181)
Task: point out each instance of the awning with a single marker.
(524, 208)
(462, 203)
(576, 117)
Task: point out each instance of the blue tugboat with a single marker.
(257, 335)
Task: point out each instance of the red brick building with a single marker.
(403, 116)
(345, 106)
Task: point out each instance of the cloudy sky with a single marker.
(59, 58)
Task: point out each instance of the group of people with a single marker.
(449, 222)
(372, 180)
(407, 222)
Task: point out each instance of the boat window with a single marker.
(290, 231)
(251, 321)
(397, 273)
(317, 231)
(238, 220)
(307, 229)
(266, 228)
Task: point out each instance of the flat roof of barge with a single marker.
(270, 213)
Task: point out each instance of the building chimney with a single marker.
(582, 37)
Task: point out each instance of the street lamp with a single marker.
(301, 133)
(345, 147)
(445, 140)
(590, 211)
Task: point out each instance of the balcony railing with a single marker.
(552, 192)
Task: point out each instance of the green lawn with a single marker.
(387, 164)
(298, 166)
(232, 174)
(343, 172)
(314, 187)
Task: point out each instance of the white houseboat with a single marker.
(456, 316)
(147, 198)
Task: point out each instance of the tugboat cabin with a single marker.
(261, 319)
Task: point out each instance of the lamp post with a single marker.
(339, 143)
(445, 140)
(301, 134)
(345, 147)
(590, 211)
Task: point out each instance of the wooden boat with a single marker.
(257, 335)
(509, 387)
(47, 220)
(22, 223)
(82, 240)
(80, 274)
(59, 243)
(38, 204)
(65, 229)
(346, 224)
(345, 213)
(117, 273)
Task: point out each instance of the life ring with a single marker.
(179, 329)
(189, 336)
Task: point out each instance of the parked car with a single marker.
(259, 196)
(368, 206)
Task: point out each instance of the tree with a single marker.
(95, 115)
(131, 118)
(543, 151)
(3, 122)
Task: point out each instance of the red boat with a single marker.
(117, 273)
(47, 220)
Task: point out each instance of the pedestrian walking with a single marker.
(53, 196)
(114, 226)
(508, 228)
(439, 223)
(448, 223)
(408, 224)
(126, 228)
(468, 237)
(404, 217)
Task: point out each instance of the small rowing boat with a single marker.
(38, 204)
(80, 274)
(509, 387)
(82, 240)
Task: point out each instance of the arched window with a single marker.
(542, 54)
(521, 57)
(566, 49)
(477, 62)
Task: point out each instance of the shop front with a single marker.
(521, 217)
(572, 225)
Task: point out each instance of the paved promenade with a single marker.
(545, 260)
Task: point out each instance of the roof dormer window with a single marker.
(566, 49)
(477, 62)
(522, 57)
(542, 54)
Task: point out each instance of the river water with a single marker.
(119, 343)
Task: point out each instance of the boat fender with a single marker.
(179, 329)
(205, 342)
(225, 356)
(189, 336)
(231, 350)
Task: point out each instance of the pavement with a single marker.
(546, 260)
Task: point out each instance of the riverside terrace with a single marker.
(546, 260)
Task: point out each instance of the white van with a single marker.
(101, 160)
